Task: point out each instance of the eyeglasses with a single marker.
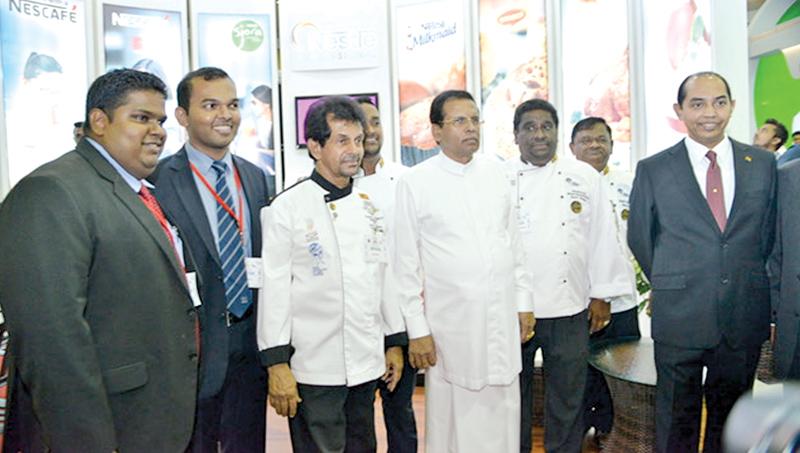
(462, 121)
(544, 127)
(587, 141)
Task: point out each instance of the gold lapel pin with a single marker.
(748, 158)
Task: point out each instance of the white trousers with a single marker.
(458, 420)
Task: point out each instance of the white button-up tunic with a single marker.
(618, 186)
(568, 235)
(323, 264)
(455, 234)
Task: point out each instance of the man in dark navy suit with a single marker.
(701, 226)
(215, 199)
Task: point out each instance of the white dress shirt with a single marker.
(618, 187)
(568, 234)
(455, 237)
(700, 163)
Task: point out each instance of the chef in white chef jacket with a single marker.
(568, 234)
(456, 241)
(592, 143)
(323, 317)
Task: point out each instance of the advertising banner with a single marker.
(509, 78)
(430, 59)
(240, 44)
(44, 79)
(148, 40)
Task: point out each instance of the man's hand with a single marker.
(283, 394)
(394, 367)
(422, 352)
(526, 326)
(599, 314)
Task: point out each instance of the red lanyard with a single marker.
(240, 219)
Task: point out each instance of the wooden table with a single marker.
(630, 371)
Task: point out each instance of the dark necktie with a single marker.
(714, 192)
(231, 249)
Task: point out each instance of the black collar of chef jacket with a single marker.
(334, 193)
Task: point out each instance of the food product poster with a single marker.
(596, 71)
(44, 79)
(240, 44)
(677, 44)
(148, 40)
(430, 59)
(513, 53)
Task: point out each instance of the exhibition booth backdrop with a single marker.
(619, 59)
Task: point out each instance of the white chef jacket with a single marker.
(568, 234)
(323, 262)
(381, 185)
(454, 235)
(618, 187)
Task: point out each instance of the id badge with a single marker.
(523, 221)
(191, 282)
(255, 278)
(376, 249)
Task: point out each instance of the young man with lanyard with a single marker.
(325, 318)
(379, 178)
(214, 198)
(592, 143)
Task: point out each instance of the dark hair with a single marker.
(588, 123)
(340, 108)
(185, 85)
(38, 63)
(795, 133)
(263, 93)
(77, 124)
(111, 90)
(534, 104)
(153, 67)
(365, 100)
(780, 130)
(437, 106)
(682, 87)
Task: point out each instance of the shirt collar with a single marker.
(378, 169)
(132, 181)
(203, 162)
(456, 168)
(697, 152)
(334, 193)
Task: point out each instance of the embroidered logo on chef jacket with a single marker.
(625, 214)
(576, 207)
(375, 247)
(315, 249)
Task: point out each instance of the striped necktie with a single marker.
(231, 249)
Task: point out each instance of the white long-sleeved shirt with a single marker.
(323, 265)
(455, 237)
(568, 234)
(700, 163)
(618, 187)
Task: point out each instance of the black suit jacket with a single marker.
(707, 285)
(784, 267)
(177, 193)
(101, 324)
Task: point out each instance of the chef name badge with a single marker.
(523, 221)
(376, 248)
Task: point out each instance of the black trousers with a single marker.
(334, 419)
(398, 412)
(680, 391)
(236, 417)
(565, 347)
(598, 411)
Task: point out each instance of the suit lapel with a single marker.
(186, 189)
(133, 203)
(687, 184)
(743, 176)
(250, 187)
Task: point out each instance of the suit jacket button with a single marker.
(193, 356)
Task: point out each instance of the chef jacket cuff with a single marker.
(524, 302)
(396, 339)
(417, 326)
(276, 355)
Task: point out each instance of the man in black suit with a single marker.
(701, 226)
(92, 286)
(210, 194)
